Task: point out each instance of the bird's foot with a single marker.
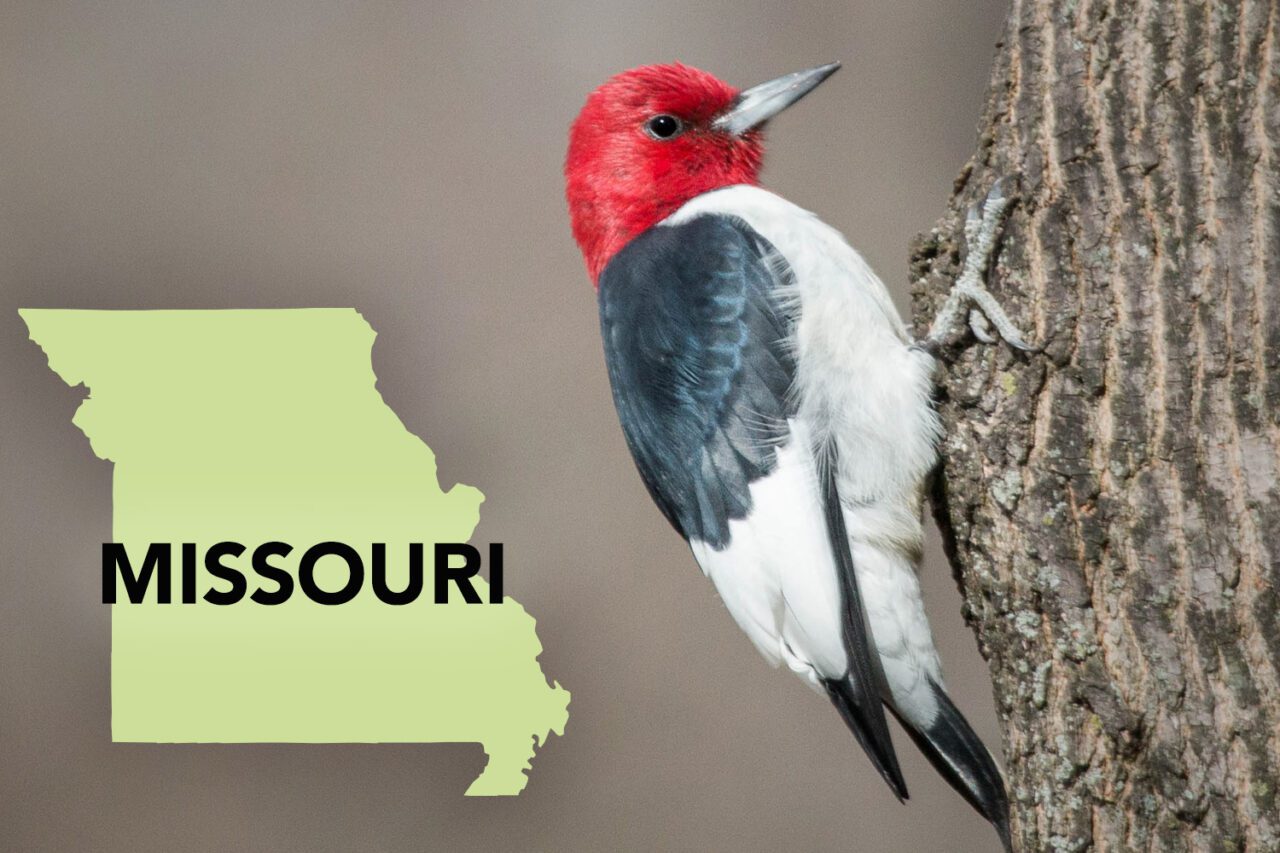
(987, 319)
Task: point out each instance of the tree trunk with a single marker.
(1111, 504)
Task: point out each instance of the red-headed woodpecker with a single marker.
(774, 402)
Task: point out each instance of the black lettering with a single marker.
(461, 576)
(135, 585)
(495, 573)
(307, 573)
(213, 565)
(379, 574)
(284, 580)
(188, 573)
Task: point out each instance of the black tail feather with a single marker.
(857, 695)
(955, 751)
(870, 730)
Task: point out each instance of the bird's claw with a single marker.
(982, 224)
(981, 327)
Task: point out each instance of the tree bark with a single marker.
(1111, 504)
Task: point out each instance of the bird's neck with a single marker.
(607, 215)
(603, 226)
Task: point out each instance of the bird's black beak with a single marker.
(758, 104)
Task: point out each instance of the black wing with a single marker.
(697, 352)
(696, 336)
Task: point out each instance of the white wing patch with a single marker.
(777, 576)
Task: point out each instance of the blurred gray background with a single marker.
(405, 159)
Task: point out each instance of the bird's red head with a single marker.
(652, 138)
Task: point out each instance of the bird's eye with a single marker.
(663, 126)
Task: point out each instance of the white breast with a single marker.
(861, 385)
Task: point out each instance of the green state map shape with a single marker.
(252, 426)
